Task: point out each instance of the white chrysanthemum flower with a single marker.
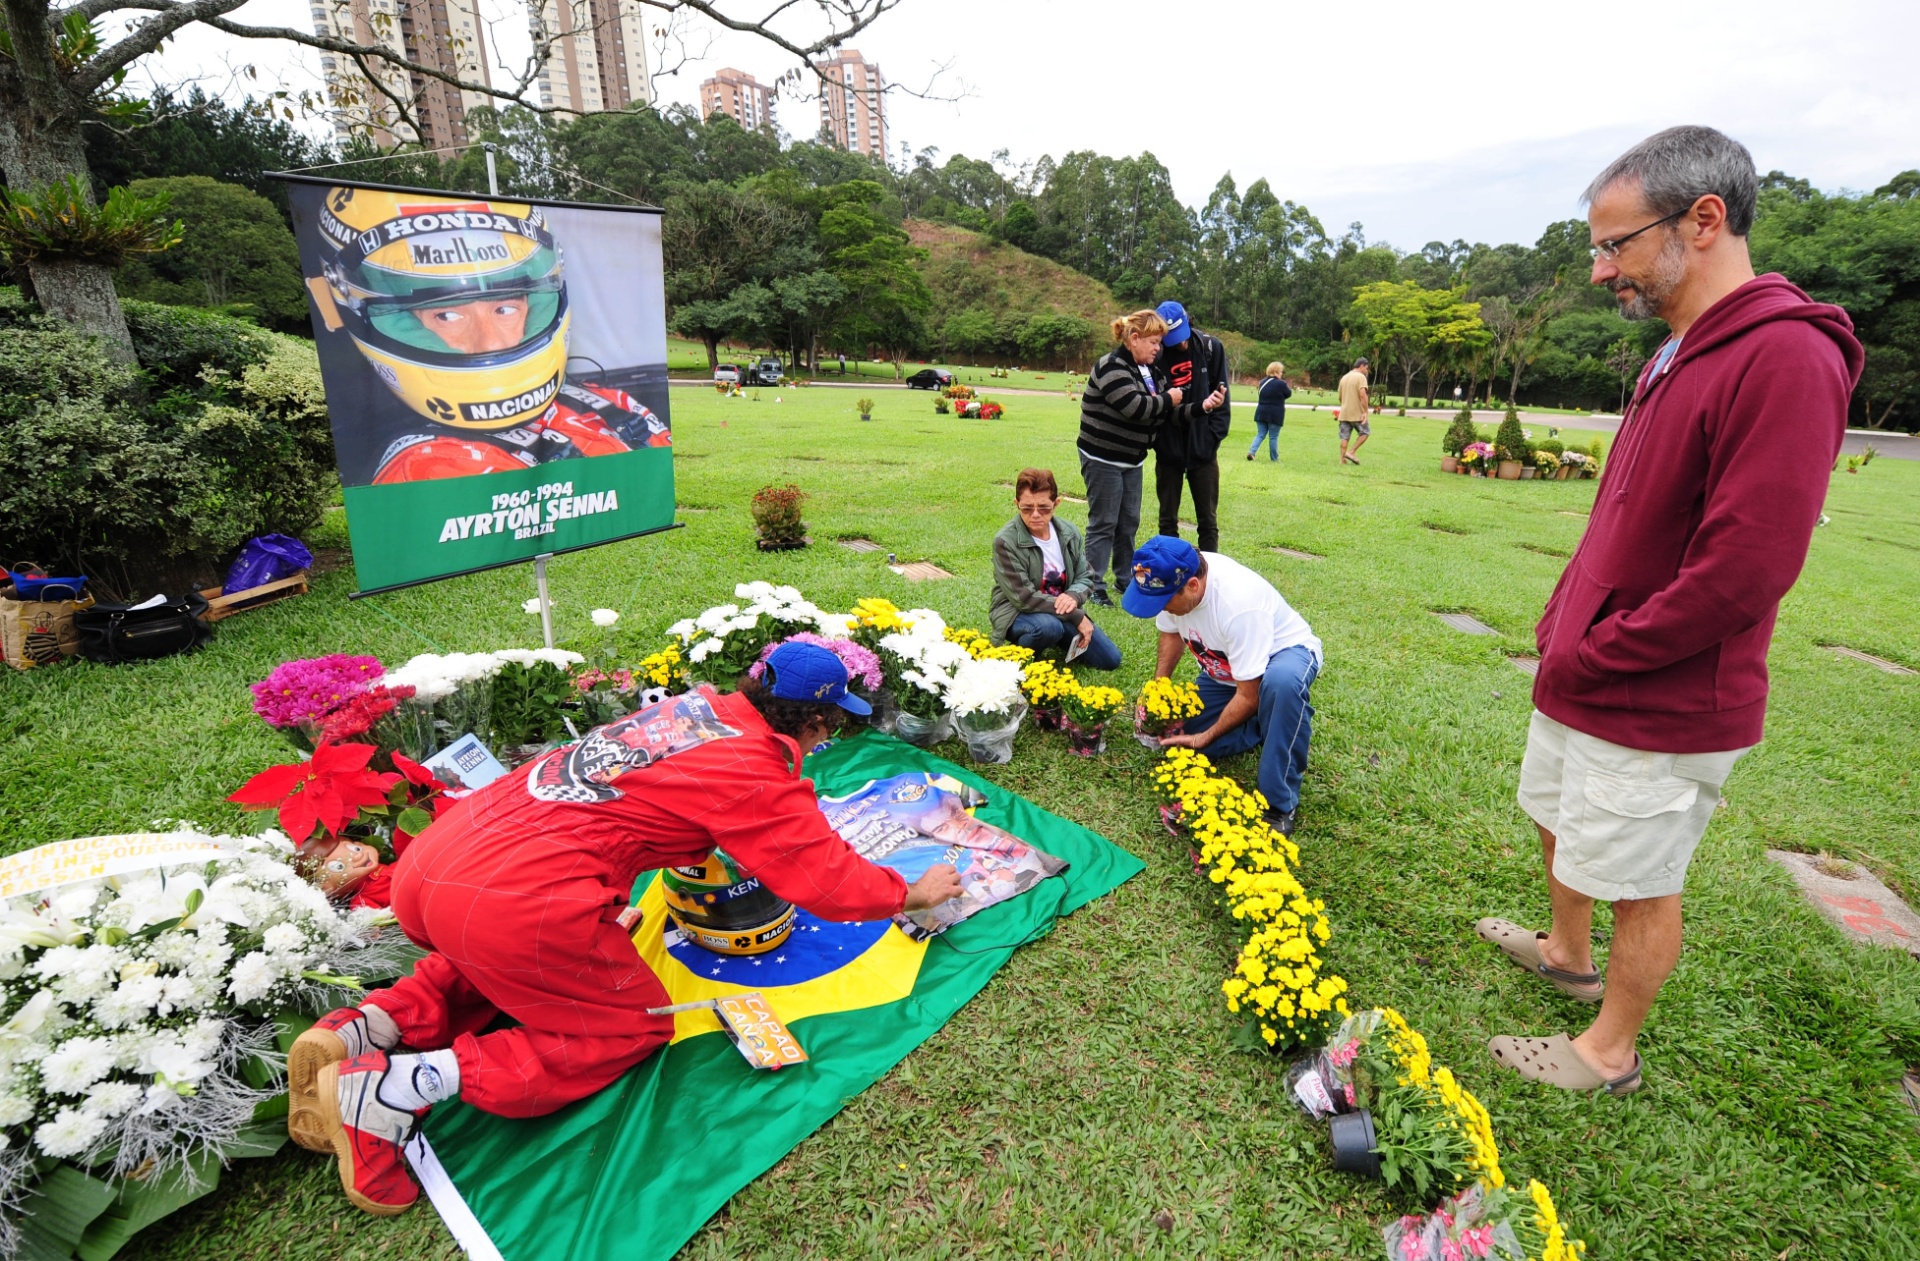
(836, 625)
(683, 629)
(559, 658)
(112, 1099)
(15, 1110)
(522, 657)
(604, 617)
(714, 618)
(76, 1064)
(284, 939)
(12, 962)
(533, 605)
(706, 648)
(69, 1134)
(989, 686)
(753, 590)
(75, 900)
(253, 977)
(131, 1001)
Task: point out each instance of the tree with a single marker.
(58, 77)
(237, 251)
(885, 300)
(1625, 359)
(720, 246)
(1416, 328)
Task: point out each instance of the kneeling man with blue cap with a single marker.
(1258, 659)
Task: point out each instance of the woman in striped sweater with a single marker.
(1124, 403)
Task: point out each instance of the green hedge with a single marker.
(152, 477)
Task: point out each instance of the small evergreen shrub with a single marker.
(1511, 440)
(1459, 433)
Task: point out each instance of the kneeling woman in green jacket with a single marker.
(1041, 580)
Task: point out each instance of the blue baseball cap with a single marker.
(1161, 566)
(1177, 327)
(803, 672)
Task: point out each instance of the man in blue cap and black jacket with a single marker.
(1258, 659)
(1187, 447)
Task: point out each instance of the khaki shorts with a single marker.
(1625, 822)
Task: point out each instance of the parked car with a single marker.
(727, 372)
(930, 379)
(765, 372)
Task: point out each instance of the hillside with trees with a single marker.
(994, 302)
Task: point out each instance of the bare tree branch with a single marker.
(143, 38)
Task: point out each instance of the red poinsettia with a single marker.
(423, 790)
(326, 792)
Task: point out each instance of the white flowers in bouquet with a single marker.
(723, 641)
(129, 1005)
(559, 658)
(604, 618)
(988, 688)
(922, 665)
(436, 676)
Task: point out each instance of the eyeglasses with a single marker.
(1611, 249)
(1035, 510)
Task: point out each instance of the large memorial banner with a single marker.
(496, 373)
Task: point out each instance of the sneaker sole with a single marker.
(311, 1052)
(328, 1084)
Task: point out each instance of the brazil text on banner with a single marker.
(495, 373)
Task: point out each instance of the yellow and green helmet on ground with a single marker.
(720, 907)
(401, 265)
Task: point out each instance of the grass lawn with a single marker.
(1092, 1086)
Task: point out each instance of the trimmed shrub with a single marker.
(1459, 434)
(1511, 440)
(151, 477)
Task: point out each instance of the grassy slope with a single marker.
(1092, 1086)
(967, 268)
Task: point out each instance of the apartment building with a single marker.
(445, 34)
(740, 97)
(853, 103)
(598, 59)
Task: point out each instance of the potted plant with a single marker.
(1455, 440)
(1510, 444)
(1477, 458)
(1087, 711)
(1547, 463)
(987, 707)
(940, 404)
(919, 664)
(866, 408)
(776, 514)
(1595, 450)
(1162, 710)
(1045, 686)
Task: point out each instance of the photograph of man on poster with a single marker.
(462, 335)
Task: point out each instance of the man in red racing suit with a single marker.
(583, 420)
(518, 892)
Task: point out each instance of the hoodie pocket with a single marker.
(1575, 608)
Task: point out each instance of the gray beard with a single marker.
(1664, 276)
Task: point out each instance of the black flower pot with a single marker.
(1353, 1144)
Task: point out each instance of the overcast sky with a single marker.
(1481, 119)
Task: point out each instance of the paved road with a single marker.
(1897, 446)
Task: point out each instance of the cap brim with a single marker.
(1174, 336)
(854, 705)
(1140, 604)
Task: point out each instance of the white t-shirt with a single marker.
(1239, 623)
(1052, 561)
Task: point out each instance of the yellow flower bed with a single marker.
(665, 668)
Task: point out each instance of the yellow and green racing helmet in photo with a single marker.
(459, 305)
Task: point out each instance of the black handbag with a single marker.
(112, 633)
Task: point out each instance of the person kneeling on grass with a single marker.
(1258, 659)
(520, 894)
(1041, 579)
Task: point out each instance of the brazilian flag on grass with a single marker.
(635, 1170)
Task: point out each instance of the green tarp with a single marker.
(635, 1170)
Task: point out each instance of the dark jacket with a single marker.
(1272, 407)
(1019, 567)
(1118, 418)
(1656, 636)
(1194, 435)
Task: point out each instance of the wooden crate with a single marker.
(224, 604)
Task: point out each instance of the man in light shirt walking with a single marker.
(1353, 411)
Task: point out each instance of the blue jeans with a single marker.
(1267, 431)
(1041, 631)
(1282, 726)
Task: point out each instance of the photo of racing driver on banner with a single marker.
(461, 335)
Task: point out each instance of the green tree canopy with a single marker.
(237, 253)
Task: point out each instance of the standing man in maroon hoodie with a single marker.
(1653, 647)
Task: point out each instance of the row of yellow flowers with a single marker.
(1280, 980)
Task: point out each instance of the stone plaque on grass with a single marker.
(1853, 900)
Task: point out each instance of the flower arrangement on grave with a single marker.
(1478, 455)
(724, 641)
(1163, 707)
(920, 663)
(865, 407)
(452, 696)
(338, 795)
(776, 515)
(873, 619)
(532, 692)
(1547, 462)
(864, 674)
(296, 698)
(987, 705)
(1045, 686)
(1496, 1223)
(1086, 711)
(136, 1012)
(958, 391)
(940, 405)
(1430, 1133)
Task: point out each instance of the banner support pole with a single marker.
(493, 190)
(546, 605)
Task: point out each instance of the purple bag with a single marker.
(266, 559)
